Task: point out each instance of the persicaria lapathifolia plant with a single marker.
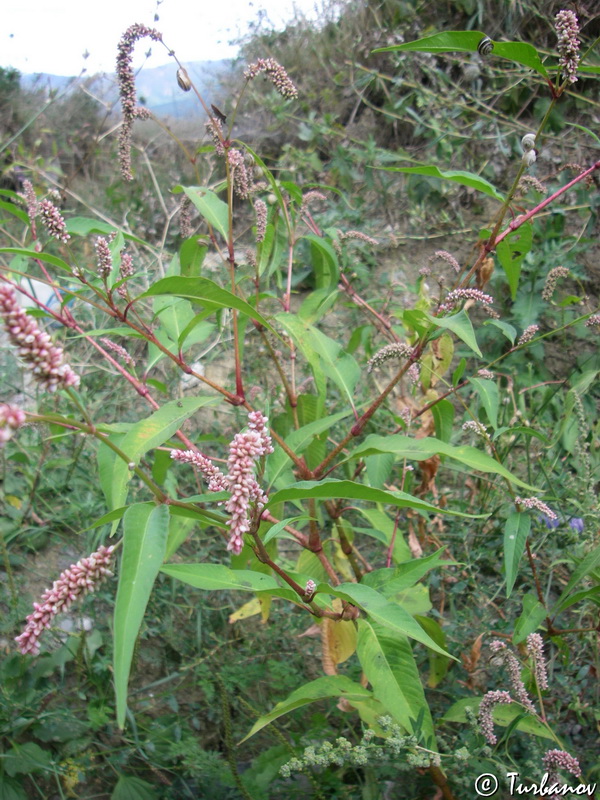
(333, 505)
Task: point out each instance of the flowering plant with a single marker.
(320, 437)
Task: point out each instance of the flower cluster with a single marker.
(120, 351)
(33, 207)
(104, 257)
(558, 759)
(214, 128)
(475, 427)
(535, 650)
(216, 479)
(454, 296)
(528, 182)
(567, 31)
(527, 335)
(533, 502)
(35, 346)
(260, 209)
(357, 235)
(185, 217)
(593, 321)
(551, 281)
(53, 221)
(126, 80)
(11, 418)
(126, 270)
(79, 579)
(245, 449)
(514, 673)
(309, 197)
(276, 74)
(241, 182)
(486, 708)
(391, 351)
(486, 374)
(443, 255)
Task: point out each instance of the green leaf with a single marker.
(320, 689)
(438, 664)
(468, 41)
(277, 531)
(532, 615)
(516, 531)
(46, 257)
(511, 252)
(83, 226)
(325, 262)
(212, 208)
(390, 580)
(521, 429)
(219, 577)
(145, 531)
(147, 434)
(504, 715)
(15, 211)
(205, 293)
(585, 567)
(331, 489)
(457, 176)
(488, 394)
(25, 758)
(298, 441)
(379, 468)
(422, 449)
(380, 610)
(508, 330)
(389, 665)
(443, 416)
(460, 324)
(10, 790)
(131, 788)
(458, 372)
(334, 362)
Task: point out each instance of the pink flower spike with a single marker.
(78, 580)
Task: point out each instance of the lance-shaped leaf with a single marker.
(504, 715)
(334, 489)
(468, 41)
(388, 662)
(380, 610)
(212, 208)
(145, 531)
(516, 531)
(320, 689)
(143, 436)
(460, 324)
(219, 577)
(298, 441)
(205, 293)
(422, 449)
(47, 257)
(470, 179)
(488, 394)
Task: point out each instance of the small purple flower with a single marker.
(550, 523)
(576, 524)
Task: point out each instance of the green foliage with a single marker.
(419, 460)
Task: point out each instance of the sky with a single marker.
(53, 35)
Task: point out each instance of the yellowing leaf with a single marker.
(15, 502)
(249, 609)
(338, 639)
